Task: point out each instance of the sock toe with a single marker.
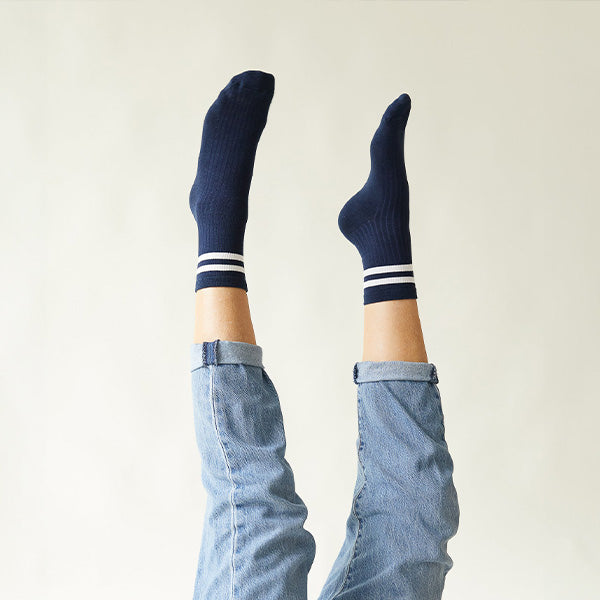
(387, 145)
(399, 108)
(258, 81)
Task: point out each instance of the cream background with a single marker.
(101, 111)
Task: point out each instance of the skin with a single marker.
(223, 313)
(392, 329)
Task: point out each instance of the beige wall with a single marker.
(101, 109)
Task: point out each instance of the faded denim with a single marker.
(403, 511)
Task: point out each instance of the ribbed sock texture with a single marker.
(219, 197)
(376, 219)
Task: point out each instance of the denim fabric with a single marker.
(405, 506)
(403, 511)
(254, 545)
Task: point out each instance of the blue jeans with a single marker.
(404, 510)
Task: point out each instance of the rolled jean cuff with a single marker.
(225, 352)
(394, 370)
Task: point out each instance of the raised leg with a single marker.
(254, 544)
(405, 507)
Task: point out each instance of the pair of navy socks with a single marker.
(375, 220)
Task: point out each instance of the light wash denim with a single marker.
(403, 511)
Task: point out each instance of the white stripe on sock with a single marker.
(388, 280)
(226, 255)
(387, 269)
(219, 267)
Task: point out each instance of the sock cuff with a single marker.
(389, 282)
(220, 269)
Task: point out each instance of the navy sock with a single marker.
(376, 219)
(219, 197)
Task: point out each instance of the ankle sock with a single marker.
(219, 196)
(376, 219)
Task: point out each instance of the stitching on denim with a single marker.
(210, 353)
(440, 493)
(440, 410)
(215, 351)
(230, 477)
(354, 504)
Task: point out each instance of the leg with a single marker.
(254, 544)
(223, 313)
(392, 331)
(405, 506)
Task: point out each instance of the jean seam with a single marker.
(440, 494)
(230, 477)
(354, 505)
